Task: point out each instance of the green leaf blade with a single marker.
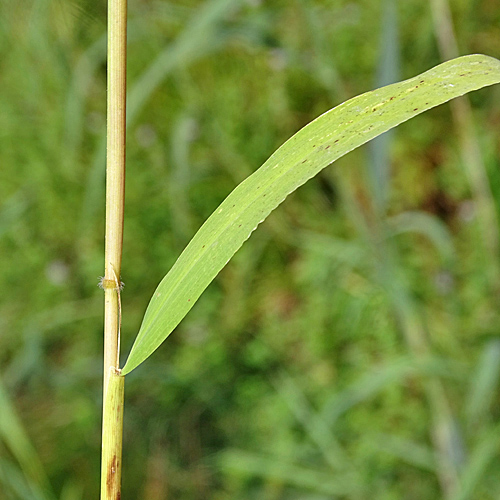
(311, 149)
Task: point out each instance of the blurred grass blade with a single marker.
(315, 426)
(201, 36)
(387, 73)
(429, 226)
(83, 77)
(348, 254)
(375, 381)
(182, 137)
(275, 470)
(484, 384)
(316, 146)
(12, 210)
(481, 458)
(416, 454)
(14, 484)
(470, 146)
(17, 441)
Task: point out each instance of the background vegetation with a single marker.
(350, 350)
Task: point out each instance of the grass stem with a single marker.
(112, 433)
(113, 383)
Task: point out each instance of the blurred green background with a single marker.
(351, 348)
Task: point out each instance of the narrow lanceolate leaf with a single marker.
(314, 147)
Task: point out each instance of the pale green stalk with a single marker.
(112, 433)
(470, 149)
(475, 169)
(115, 189)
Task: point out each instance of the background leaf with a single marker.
(315, 293)
(314, 147)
